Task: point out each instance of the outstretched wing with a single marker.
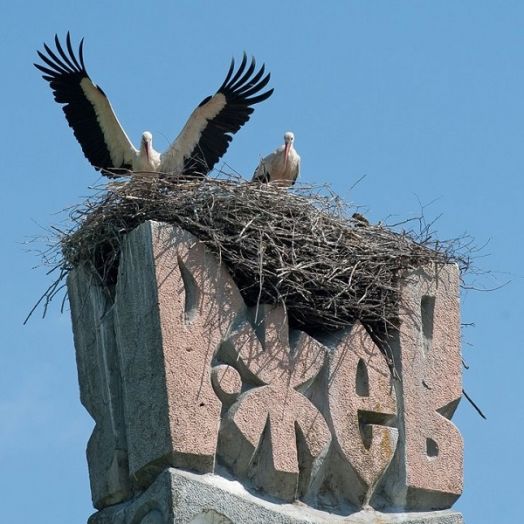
(86, 107)
(210, 128)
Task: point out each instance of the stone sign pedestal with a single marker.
(206, 410)
(185, 497)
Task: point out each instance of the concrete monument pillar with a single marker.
(207, 411)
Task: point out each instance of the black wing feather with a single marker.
(238, 89)
(240, 70)
(64, 74)
(255, 81)
(64, 56)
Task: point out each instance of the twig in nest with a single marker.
(298, 248)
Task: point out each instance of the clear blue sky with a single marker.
(424, 98)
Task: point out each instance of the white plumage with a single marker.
(282, 166)
(202, 141)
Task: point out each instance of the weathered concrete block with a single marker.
(182, 497)
(362, 409)
(176, 371)
(274, 407)
(429, 465)
(100, 387)
(174, 305)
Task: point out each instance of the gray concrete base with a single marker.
(187, 498)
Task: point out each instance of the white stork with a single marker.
(281, 166)
(202, 141)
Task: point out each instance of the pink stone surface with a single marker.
(430, 362)
(277, 404)
(192, 329)
(194, 374)
(226, 381)
(361, 394)
(174, 303)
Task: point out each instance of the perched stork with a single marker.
(281, 166)
(202, 141)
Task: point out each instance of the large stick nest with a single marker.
(299, 247)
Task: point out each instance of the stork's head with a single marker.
(289, 138)
(147, 144)
(147, 138)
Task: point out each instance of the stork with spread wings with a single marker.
(203, 140)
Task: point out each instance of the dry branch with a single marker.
(299, 248)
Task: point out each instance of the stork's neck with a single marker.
(148, 158)
(287, 149)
